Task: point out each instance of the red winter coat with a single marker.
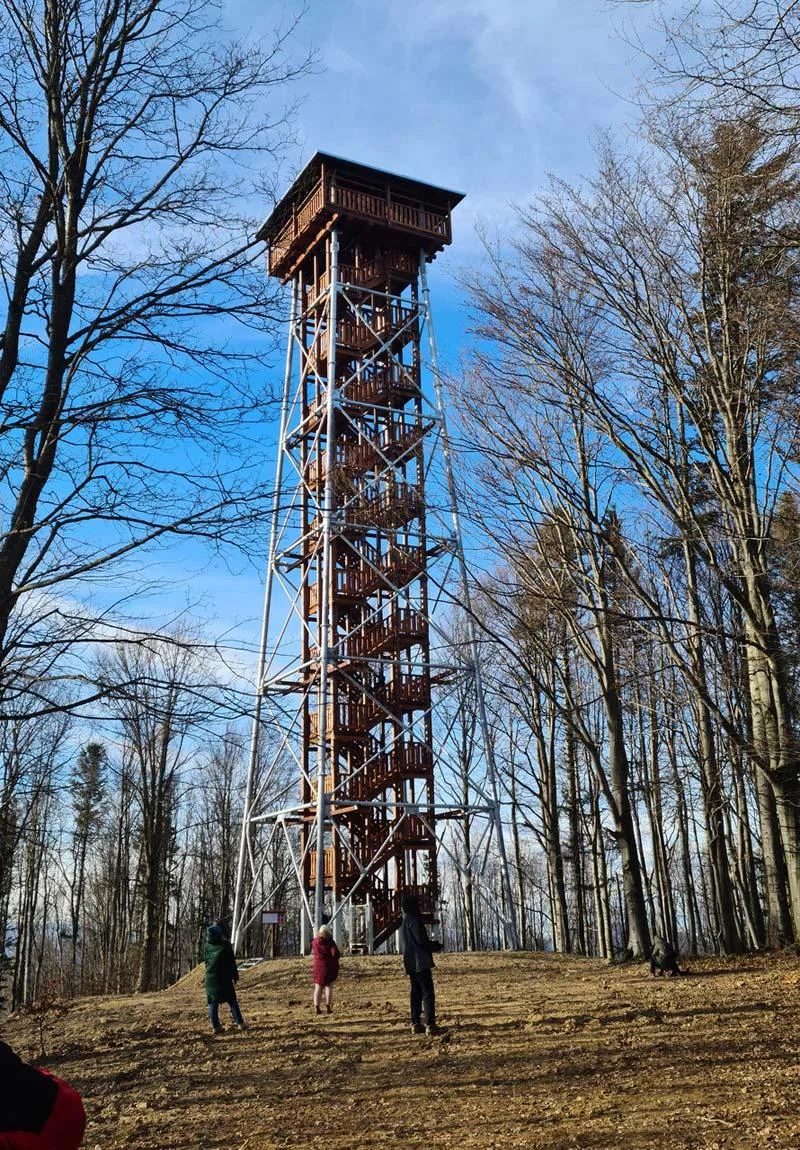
(326, 961)
(37, 1110)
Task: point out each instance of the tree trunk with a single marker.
(638, 942)
(522, 917)
(779, 922)
(747, 862)
(727, 933)
(575, 839)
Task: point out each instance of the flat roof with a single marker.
(302, 185)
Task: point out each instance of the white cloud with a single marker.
(485, 96)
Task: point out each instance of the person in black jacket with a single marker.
(663, 958)
(37, 1110)
(418, 951)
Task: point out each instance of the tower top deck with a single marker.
(395, 209)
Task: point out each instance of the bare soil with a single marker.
(539, 1051)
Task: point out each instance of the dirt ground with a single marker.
(539, 1051)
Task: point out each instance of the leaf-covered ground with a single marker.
(540, 1051)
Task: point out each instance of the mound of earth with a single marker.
(539, 1051)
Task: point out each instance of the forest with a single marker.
(627, 426)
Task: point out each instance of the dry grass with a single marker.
(541, 1051)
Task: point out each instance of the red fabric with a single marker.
(325, 969)
(63, 1130)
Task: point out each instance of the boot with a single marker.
(433, 1030)
(417, 1028)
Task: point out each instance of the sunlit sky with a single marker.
(484, 96)
(487, 97)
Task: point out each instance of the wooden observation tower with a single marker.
(362, 560)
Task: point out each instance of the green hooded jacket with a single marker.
(221, 971)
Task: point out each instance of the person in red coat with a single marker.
(325, 970)
(37, 1110)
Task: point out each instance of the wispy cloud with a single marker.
(485, 96)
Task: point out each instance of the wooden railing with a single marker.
(327, 786)
(387, 912)
(403, 627)
(297, 223)
(377, 776)
(370, 273)
(354, 457)
(411, 758)
(407, 759)
(396, 212)
(383, 325)
(386, 509)
(349, 585)
(409, 691)
(345, 719)
(399, 564)
(394, 324)
(377, 388)
(380, 387)
(349, 719)
(399, 213)
(328, 866)
(413, 830)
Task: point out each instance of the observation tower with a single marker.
(365, 568)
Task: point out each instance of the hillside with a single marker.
(541, 1051)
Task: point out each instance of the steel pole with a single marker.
(510, 916)
(324, 592)
(238, 907)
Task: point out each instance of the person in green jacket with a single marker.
(221, 977)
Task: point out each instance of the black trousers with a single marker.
(423, 998)
(666, 966)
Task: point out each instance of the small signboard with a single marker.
(273, 918)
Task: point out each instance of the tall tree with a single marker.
(132, 136)
(155, 694)
(660, 306)
(87, 789)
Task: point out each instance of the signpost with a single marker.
(273, 919)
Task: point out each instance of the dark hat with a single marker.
(409, 903)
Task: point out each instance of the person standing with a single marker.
(325, 968)
(222, 975)
(37, 1110)
(418, 951)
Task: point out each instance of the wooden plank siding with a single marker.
(330, 194)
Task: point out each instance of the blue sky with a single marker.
(484, 96)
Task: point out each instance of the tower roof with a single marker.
(323, 163)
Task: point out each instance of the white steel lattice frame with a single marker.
(316, 524)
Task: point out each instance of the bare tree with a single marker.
(727, 54)
(88, 786)
(218, 818)
(656, 313)
(132, 137)
(155, 694)
(550, 516)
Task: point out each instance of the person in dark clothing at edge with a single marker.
(663, 958)
(37, 1110)
(418, 951)
(222, 975)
